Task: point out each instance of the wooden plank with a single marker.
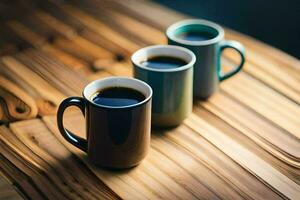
(116, 68)
(265, 101)
(177, 147)
(101, 28)
(58, 75)
(95, 51)
(23, 182)
(46, 96)
(272, 138)
(10, 42)
(7, 190)
(99, 75)
(26, 34)
(69, 60)
(53, 166)
(25, 175)
(50, 30)
(49, 83)
(257, 166)
(16, 104)
(117, 186)
(56, 11)
(242, 143)
(243, 136)
(40, 42)
(128, 26)
(272, 75)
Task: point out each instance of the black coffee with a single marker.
(196, 36)
(117, 96)
(163, 62)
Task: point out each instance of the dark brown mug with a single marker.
(117, 137)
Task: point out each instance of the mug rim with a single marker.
(190, 63)
(170, 32)
(95, 82)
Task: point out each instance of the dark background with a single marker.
(274, 22)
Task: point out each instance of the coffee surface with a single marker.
(163, 62)
(196, 36)
(117, 97)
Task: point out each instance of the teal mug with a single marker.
(172, 87)
(206, 40)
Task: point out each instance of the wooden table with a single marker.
(242, 143)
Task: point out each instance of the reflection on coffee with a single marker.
(195, 36)
(117, 97)
(163, 62)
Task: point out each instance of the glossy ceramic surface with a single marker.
(117, 137)
(207, 69)
(172, 88)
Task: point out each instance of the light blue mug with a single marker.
(172, 88)
(206, 40)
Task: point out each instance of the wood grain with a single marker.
(47, 80)
(175, 151)
(47, 97)
(99, 27)
(242, 143)
(7, 191)
(45, 169)
(178, 146)
(15, 103)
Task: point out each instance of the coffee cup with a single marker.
(168, 70)
(117, 114)
(206, 40)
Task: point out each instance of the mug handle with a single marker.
(240, 49)
(69, 136)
